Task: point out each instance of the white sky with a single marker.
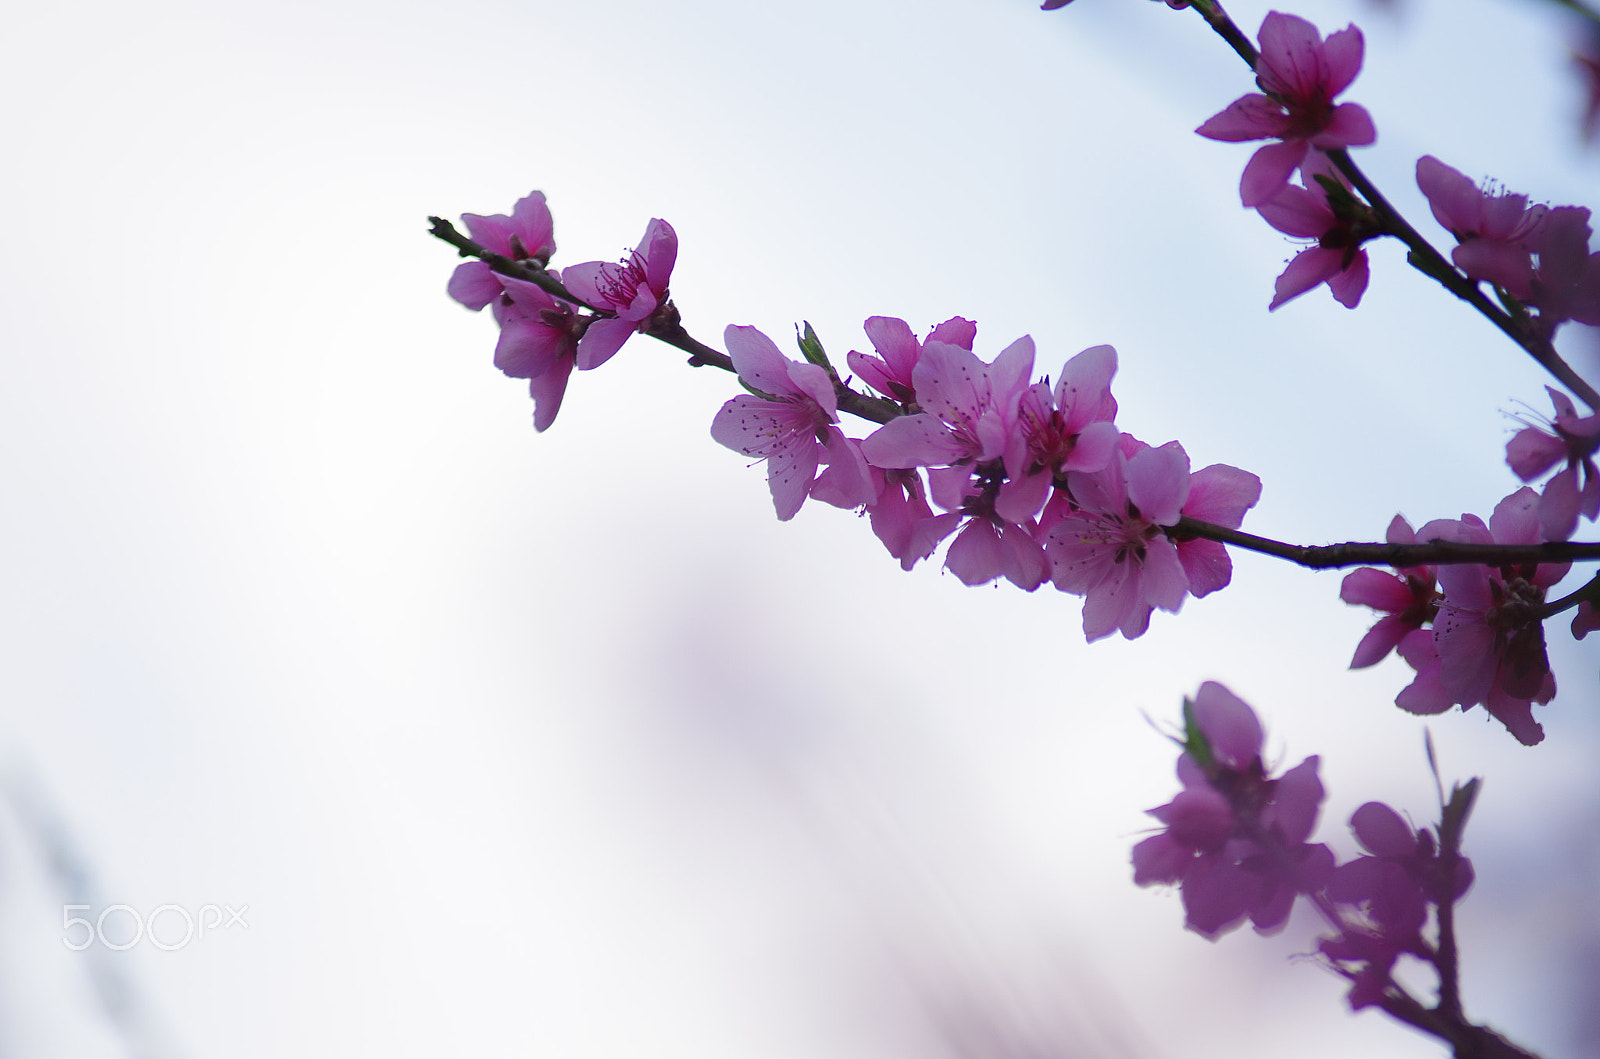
(561, 744)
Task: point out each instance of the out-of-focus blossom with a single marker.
(1407, 597)
(1566, 280)
(1235, 840)
(630, 292)
(1587, 60)
(1394, 885)
(1497, 231)
(1300, 74)
(527, 235)
(1488, 644)
(1575, 490)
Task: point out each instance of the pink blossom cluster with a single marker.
(1474, 634)
(1032, 482)
(1300, 74)
(1235, 841)
(543, 336)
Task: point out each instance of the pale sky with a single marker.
(561, 744)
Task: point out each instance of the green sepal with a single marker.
(811, 347)
(1195, 743)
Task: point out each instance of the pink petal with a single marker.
(1221, 494)
(1341, 59)
(1229, 725)
(1207, 566)
(601, 342)
(1348, 284)
(474, 284)
(547, 389)
(1309, 268)
(1158, 483)
(1350, 126)
(913, 441)
(1269, 170)
(1252, 117)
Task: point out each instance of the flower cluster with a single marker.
(543, 336)
(1474, 634)
(1300, 74)
(1033, 481)
(1235, 841)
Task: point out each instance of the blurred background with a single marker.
(484, 742)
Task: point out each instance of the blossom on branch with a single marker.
(1299, 74)
(1487, 646)
(1566, 279)
(969, 408)
(1336, 220)
(900, 351)
(1113, 546)
(630, 293)
(1496, 231)
(527, 235)
(1575, 490)
(790, 426)
(1407, 597)
(539, 339)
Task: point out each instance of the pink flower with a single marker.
(539, 338)
(1394, 885)
(1588, 63)
(1572, 440)
(631, 294)
(1112, 548)
(791, 427)
(988, 545)
(1566, 281)
(1488, 635)
(1407, 598)
(1307, 213)
(1218, 494)
(1585, 620)
(1300, 75)
(1068, 428)
(899, 513)
(526, 235)
(900, 351)
(1235, 841)
(1496, 232)
(969, 408)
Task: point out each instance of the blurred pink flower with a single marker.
(1497, 231)
(1235, 841)
(1575, 490)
